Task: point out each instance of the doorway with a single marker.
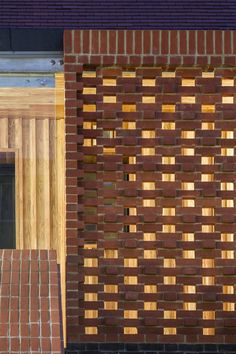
(7, 201)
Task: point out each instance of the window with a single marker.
(7, 200)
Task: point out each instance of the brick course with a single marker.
(154, 47)
(150, 163)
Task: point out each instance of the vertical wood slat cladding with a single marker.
(34, 140)
(29, 137)
(58, 189)
(32, 125)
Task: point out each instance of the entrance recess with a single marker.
(7, 202)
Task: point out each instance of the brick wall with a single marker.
(150, 168)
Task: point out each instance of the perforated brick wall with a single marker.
(150, 190)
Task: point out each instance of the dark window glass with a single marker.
(7, 206)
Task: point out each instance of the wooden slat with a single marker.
(29, 184)
(43, 184)
(11, 132)
(19, 183)
(54, 234)
(4, 133)
(60, 184)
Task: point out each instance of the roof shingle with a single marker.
(122, 14)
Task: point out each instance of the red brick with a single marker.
(230, 60)
(219, 42)
(138, 42)
(95, 59)
(135, 60)
(129, 42)
(161, 60)
(146, 42)
(95, 42)
(216, 60)
(183, 41)
(175, 60)
(200, 42)
(86, 41)
(67, 41)
(112, 42)
(131, 296)
(192, 42)
(189, 60)
(121, 41)
(77, 42)
(209, 42)
(103, 42)
(165, 42)
(202, 60)
(174, 42)
(227, 42)
(155, 42)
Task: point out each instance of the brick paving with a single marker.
(29, 302)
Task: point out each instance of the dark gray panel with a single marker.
(36, 39)
(5, 40)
